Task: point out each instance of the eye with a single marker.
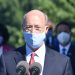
(37, 27)
(27, 28)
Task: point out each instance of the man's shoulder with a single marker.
(15, 52)
(56, 55)
(21, 49)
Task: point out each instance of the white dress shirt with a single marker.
(66, 47)
(40, 55)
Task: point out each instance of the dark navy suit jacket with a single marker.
(71, 53)
(54, 64)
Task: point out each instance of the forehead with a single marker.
(35, 18)
(63, 27)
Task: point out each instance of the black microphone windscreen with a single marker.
(35, 68)
(22, 68)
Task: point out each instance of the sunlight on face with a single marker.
(35, 23)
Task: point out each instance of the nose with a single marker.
(33, 30)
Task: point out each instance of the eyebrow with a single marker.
(37, 26)
(28, 25)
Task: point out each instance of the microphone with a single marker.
(35, 68)
(22, 68)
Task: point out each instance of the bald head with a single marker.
(37, 13)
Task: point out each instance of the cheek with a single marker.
(44, 29)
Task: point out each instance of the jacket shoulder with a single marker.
(57, 55)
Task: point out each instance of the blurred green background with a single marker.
(12, 11)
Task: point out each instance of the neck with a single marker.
(34, 49)
(65, 44)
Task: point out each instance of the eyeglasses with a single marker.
(30, 28)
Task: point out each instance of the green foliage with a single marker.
(12, 11)
(57, 10)
(11, 15)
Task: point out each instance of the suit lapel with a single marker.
(48, 62)
(18, 57)
(14, 58)
(20, 54)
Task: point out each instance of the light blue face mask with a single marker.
(63, 38)
(35, 40)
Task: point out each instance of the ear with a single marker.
(46, 29)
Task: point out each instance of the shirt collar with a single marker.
(66, 47)
(41, 50)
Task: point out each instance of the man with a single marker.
(34, 31)
(64, 45)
